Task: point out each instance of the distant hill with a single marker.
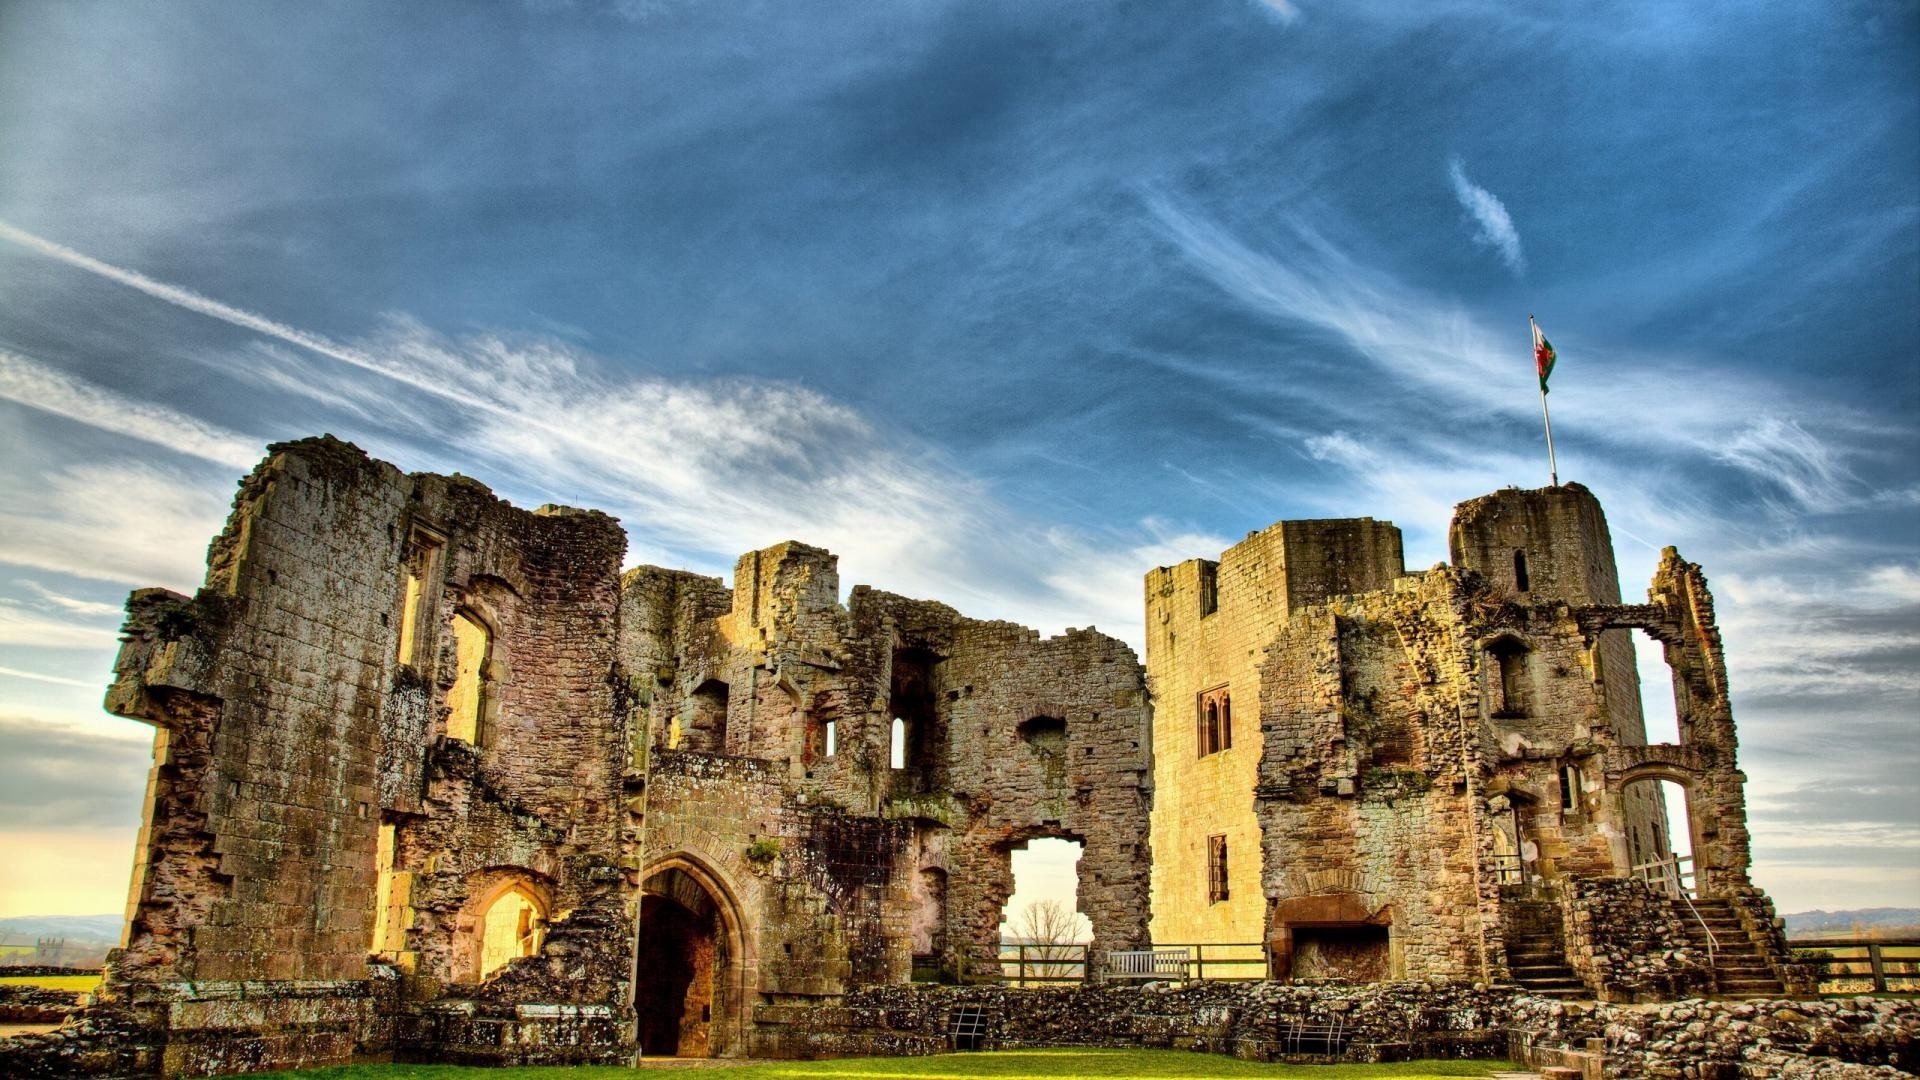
(27, 929)
(1889, 921)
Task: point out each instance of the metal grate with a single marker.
(1314, 1035)
(967, 1027)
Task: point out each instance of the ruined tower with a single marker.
(1207, 625)
(1446, 774)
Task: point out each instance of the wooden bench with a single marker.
(1147, 964)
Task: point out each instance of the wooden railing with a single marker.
(1023, 964)
(1850, 966)
(1060, 965)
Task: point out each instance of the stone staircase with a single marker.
(1741, 969)
(1536, 954)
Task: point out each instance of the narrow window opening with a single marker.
(1570, 789)
(466, 698)
(1214, 727)
(392, 899)
(1520, 581)
(913, 698)
(897, 745)
(1209, 588)
(832, 738)
(1217, 869)
(419, 566)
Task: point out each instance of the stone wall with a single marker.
(862, 865)
(1841, 1039)
(1259, 1021)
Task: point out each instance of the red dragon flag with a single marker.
(1542, 355)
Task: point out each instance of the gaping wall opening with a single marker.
(513, 926)
(504, 918)
(1659, 835)
(1356, 953)
(1041, 927)
(685, 997)
(1045, 737)
(705, 729)
(1658, 694)
(1509, 680)
(918, 736)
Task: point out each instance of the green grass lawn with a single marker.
(1067, 1064)
(75, 983)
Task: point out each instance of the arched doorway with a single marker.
(689, 979)
(1659, 826)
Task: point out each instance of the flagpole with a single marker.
(1553, 467)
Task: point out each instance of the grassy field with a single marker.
(1066, 1064)
(75, 983)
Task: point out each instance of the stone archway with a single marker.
(1654, 853)
(690, 985)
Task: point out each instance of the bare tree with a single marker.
(1049, 930)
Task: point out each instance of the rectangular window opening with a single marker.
(420, 568)
(1216, 869)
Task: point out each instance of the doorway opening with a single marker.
(1659, 837)
(682, 955)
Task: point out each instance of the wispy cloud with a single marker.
(1490, 214)
(71, 604)
(55, 680)
(1781, 441)
(1283, 10)
(38, 386)
(1802, 467)
(696, 468)
(133, 524)
(18, 626)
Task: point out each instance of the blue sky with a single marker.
(1005, 303)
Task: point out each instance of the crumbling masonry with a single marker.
(1445, 774)
(433, 779)
(405, 721)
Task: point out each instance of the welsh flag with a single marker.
(1542, 355)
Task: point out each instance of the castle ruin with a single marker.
(434, 779)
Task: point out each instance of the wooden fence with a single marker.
(1864, 967)
(1059, 965)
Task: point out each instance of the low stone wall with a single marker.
(1839, 1039)
(201, 1029)
(1257, 1021)
(1624, 940)
(476, 1033)
(36, 1004)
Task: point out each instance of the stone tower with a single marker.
(1207, 625)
